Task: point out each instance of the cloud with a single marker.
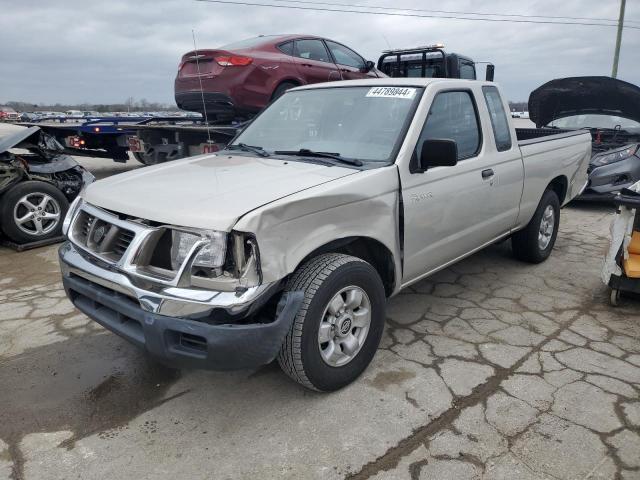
(105, 51)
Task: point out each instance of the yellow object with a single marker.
(632, 266)
(634, 246)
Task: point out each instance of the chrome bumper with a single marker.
(162, 299)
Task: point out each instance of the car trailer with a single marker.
(152, 140)
(104, 137)
(155, 142)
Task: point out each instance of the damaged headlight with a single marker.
(614, 157)
(211, 254)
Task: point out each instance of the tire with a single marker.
(45, 219)
(614, 297)
(281, 89)
(149, 159)
(531, 244)
(303, 356)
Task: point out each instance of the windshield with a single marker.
(595, 121)
(364, 123)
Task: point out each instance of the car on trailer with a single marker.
(241, 78)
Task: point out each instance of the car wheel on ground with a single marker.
(534, 243)
(33, 211)
(337, 331)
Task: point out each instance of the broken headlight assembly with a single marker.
(205, 259)
(211, 247)
(614, 157)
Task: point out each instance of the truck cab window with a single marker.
(312, 50)
(499, 120)
(467, 71)
(453, 116)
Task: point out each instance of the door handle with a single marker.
(488, 173)
(307, 65)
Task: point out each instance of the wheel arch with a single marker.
(295, 81)
(560, 186)
(368, 249)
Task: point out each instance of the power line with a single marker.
(414, 15)
(484, 14)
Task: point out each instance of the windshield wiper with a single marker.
(305, 152)
(249, 148)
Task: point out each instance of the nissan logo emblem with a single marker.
(99, 234)
(345, 327)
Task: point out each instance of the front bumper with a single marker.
(197, 341)
(607, 180)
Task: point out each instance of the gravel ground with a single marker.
(489, 369)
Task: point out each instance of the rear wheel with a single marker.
(33, 211)
(534, 243)
(338, 328)
(281, 89)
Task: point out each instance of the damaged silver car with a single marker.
(610, 110)
(37, 182)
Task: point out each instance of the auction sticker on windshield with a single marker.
(392, 92)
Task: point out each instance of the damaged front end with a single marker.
(190, 297)
(42, 160)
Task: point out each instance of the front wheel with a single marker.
(337, 331)
(534, 243)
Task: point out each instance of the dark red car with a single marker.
(241, 78)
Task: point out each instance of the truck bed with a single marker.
(527, 136)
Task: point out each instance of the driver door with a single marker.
(447, 210)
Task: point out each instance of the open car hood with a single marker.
(564, 97)
(15, 139)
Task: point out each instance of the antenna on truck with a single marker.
(204, 108)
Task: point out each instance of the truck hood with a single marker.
(210, 192)
(564, 97)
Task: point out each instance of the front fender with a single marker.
(362, 205)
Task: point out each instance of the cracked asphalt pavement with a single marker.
(489, 369)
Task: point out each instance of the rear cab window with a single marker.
(499, 122)
(467, 71)
(453, 116)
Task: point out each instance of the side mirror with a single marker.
(438, 153)
(491, 69)
(368, 66)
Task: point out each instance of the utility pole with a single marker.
(616, 54)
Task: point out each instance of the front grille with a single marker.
(101, 237)
(85, 225)
(123, 240)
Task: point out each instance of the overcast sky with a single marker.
(74, 51)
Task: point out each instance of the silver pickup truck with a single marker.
(287, 244)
